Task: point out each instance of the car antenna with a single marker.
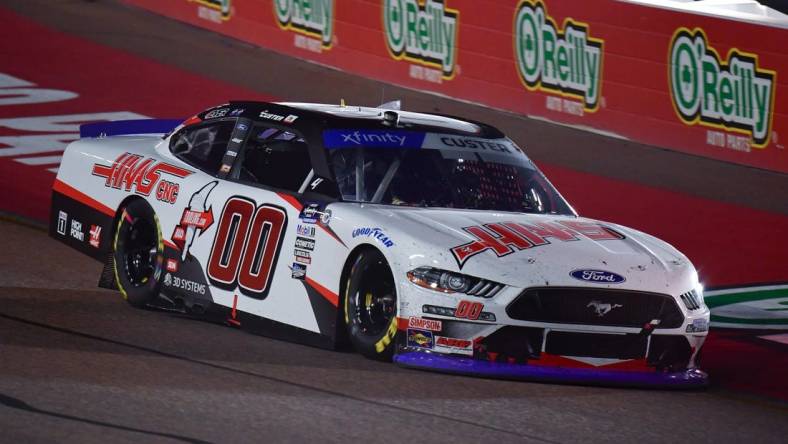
(394, 105)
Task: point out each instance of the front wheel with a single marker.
(371, 306)
(139, 254)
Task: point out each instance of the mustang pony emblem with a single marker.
(601, 308)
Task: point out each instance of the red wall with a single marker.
(633, 97)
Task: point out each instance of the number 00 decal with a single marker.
(246, 247)
(469, 310)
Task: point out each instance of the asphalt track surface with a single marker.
(80, 365)
(77, 364)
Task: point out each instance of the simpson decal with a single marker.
(425, 324)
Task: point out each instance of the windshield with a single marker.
(438, 170)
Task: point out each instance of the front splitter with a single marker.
(686, 379)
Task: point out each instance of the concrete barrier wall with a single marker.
(702, 81)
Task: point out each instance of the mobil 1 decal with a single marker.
(567, 61)
(733, 94)
(425, 33)
(311, 20)
(246, 247)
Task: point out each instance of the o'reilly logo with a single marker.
(568, 61)
(735, 94)
(314, 18)
(220, 6)
(424, 33)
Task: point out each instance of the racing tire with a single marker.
(138, 254)
(370, 306)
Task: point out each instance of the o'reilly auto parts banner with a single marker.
(732, 94)
(695, 83)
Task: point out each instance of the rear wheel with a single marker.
(371, 306)
(139, 254)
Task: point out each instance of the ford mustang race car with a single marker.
(428, 240)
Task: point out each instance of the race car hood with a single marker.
(550, 250)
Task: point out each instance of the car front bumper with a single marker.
(684, 379)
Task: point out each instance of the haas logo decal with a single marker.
(133, 171)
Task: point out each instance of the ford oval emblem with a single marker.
(597, 276)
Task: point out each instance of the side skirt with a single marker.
(203, 309)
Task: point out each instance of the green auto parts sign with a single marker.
(759, 307)
(214, 10)
(698, 81)
(422, 32)
(732, 94)
(566, 61)
(313, 18)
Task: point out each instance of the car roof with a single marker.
(312, 116)
(405, 117)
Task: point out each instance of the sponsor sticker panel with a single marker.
(445, 344)
(425, 324)
(420, 338)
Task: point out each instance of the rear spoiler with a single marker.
(125, 127)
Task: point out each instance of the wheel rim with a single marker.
(139, 252)
(375, 301)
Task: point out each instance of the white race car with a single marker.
(430, 240)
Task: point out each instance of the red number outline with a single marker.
(234, 268)
(469, 310)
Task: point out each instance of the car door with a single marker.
(250, 255)
(188, 225)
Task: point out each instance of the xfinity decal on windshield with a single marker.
(333, 139)
(372, 138)
(505, 238)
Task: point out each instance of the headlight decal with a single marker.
(450, 282)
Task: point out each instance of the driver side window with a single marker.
(204, 145)
(274, 158)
